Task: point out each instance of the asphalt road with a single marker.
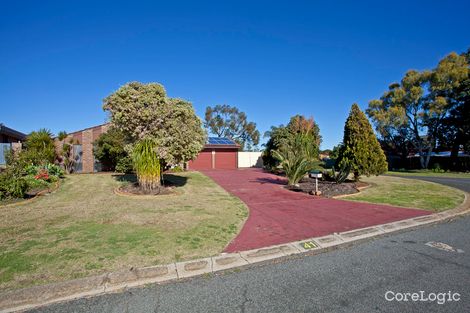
(354, 279)
(459, 183)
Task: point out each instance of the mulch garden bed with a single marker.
(134, 189)
(328, 189)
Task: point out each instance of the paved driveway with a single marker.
(278, 215)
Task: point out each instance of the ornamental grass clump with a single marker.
(297, 157)
(147, 164)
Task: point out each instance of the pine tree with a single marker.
(361, 151)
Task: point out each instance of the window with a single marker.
(77, 156)
(4, 148)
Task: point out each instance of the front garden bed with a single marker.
(135, 190)
(328, 189)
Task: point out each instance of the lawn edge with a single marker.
(33, 297)
(242, 224)
(360, 190)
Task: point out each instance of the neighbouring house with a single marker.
(9, 139)
(83, 148)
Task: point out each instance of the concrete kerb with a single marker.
(28, 298)
(194, 268)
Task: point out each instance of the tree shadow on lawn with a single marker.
(168, 179)
(275, 181)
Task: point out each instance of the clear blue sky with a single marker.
(272, 59)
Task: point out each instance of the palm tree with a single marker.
(39, 147)
(296, 158)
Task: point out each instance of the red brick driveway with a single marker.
(279, 216)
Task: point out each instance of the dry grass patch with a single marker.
(85, 229)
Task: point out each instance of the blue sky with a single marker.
(272, 59)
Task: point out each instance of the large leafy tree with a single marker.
(403, 109)
(361, 151)
(228, 121)
(144, 113)
(280, 136)
(451, 81)
(417, 110)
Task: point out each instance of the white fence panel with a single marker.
(250, 159)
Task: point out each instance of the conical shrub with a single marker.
(361, 150)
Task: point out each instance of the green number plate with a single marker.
(308, 245)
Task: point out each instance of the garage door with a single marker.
(225, 159)
(202, 162)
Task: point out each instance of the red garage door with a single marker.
(225, 159)
(202, 162)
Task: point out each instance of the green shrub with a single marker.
(51, 169)
(34, 183)
(361, 150)
(177, 169)
(109, 149)
(338, 177)
(286, 135)
(296, 158)
(32, 170)
(39, 148)
(437, 168)
(12, 186)
(54, 170)
(124, 165)
(21, 176)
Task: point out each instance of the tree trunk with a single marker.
(454, 154)
(428, 157)
(421, 158)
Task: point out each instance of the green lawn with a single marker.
(85, 229)
(429, 173)
(409, 193)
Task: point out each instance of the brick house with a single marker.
(83, 147)
(217, 153)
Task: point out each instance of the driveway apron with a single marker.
(279, 216)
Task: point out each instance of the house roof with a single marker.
(221, 142)
(11, 132)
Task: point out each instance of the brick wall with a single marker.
(87, 149)
(85, 138)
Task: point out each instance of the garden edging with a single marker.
(42, 192)
(32, 297)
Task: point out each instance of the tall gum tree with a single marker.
(419, 106)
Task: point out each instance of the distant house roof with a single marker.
(442, 154)
(11, 133)
(221, 142)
